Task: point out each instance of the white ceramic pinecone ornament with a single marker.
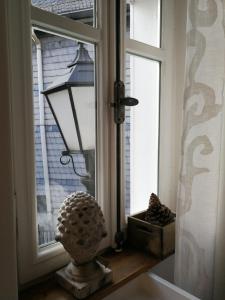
(81, 227)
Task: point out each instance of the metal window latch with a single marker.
(121, 101)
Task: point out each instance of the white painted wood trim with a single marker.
(103, 110)
(147, 51)
(69, 28)
(112, 76)
(169, 115)
(168, 166)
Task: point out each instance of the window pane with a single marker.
(79, 10)
(51, 55)
(141, 132)
(143, 21)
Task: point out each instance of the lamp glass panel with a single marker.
(84, 102)
(82, 11)
(141, 133)
(54, 181)
(144, 21)
(61, 105)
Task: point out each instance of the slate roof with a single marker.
(63, 6)
(81, 71)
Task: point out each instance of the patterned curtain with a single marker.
(201, 183)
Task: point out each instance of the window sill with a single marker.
(125, 266)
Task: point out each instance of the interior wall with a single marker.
(8, 277)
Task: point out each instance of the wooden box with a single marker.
(157, 240)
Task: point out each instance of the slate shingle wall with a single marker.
(63, 6)
(127, 138)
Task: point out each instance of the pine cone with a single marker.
(157, 213)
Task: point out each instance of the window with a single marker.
(42, 182)
(51, 55)
(141, 131)
(57, 34)
(148, 70)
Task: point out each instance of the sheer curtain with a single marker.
(200, 222)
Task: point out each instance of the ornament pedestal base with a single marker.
(83, 280)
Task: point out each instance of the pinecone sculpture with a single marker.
(157, 213)
(81, 227)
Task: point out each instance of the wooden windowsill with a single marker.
(125, 266)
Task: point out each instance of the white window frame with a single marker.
(32, 263)
(168, 164)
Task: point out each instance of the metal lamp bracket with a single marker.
(66, 158)
(121, 101)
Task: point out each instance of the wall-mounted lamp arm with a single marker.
(69, 158)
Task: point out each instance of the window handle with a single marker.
(121, 101)
(128, 101)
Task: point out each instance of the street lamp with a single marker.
(71, 99)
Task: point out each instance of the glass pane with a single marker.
(79, 10)
(141, 132)
(51, 55)
(144, 21)
(85, 106)
(67, 124)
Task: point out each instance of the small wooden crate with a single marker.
(158, 240)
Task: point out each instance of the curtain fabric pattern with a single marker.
(203, 118)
